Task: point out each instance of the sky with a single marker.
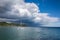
(31, 12)
(48, 6)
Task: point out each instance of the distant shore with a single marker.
(12, 24)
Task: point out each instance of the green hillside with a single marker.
(11, 24)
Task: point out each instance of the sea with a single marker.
(29, 33)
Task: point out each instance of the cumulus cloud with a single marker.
(20, 10)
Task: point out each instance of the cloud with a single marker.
(7, 20)
(29, 13)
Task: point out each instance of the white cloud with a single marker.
(7, 20)
(31, 11)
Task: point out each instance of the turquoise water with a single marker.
(29, 33)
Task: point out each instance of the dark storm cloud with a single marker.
(19, 11)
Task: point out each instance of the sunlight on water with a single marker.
(22, 28)
(29, 33)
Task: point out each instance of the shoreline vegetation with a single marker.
(12, 24)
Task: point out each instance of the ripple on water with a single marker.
(29, 33)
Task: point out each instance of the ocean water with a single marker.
(29, 33)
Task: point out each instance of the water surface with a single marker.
(29, 33)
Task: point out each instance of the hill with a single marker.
(11, 24)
